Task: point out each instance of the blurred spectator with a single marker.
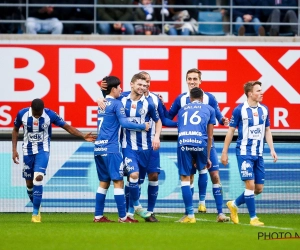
(45, 18)
(10, 13)
(248, 15)
(185, 18)
(77, 14)
(145, 14)
(280, 15)
(116, 14)
(164, 13)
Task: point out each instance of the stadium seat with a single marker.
(210, 29)
(283, 34)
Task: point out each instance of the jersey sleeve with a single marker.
(165, 121)
(55, 118)
(214, 103)
(153, 112)
(268, 124)
(120, 112)
(212, 119)
(18, 120)
(235, 118)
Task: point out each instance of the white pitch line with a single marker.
(280, 228)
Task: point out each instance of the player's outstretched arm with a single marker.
(15, 154)
(269, 139)
(165, 121)
(74, 131)
(227, 141)
(210, 133)
(133, 126)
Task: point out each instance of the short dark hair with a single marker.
(248, 87)
(112, 82)
(37, 105)
(196, 94)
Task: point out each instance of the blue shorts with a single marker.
(109, 167)
(135, 160)
(185, 154)
(35, 163)
(214, 161)
(251, 168)
(153, 166)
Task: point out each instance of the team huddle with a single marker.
(127, 145)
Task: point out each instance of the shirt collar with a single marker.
(141, 99)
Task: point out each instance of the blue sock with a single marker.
(127, 195)
(202, 184)
(152, 194)
(250, 202)
(192, 189)
(100, 201)
(134, 191)
(218, 195)
(187, 197)
(30, 192)
(240, 200)
(37, 198)
(130, 207)
(120, 200)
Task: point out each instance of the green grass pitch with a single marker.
(77, 231)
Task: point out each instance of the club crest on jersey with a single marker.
(255, 114)
(45, 126)
(142, 112)
(133, 106)
(35, 123)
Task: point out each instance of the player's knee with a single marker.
(134, 175)
(38, 178)
(29, 183)
(153, 177)
(191, 178)
(258, 190)
(215, 178)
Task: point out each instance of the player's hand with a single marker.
(274, 156)
(208, 165)
(103, 85)
(155, 143)
(15, 157)
(247, 18)
(224, 159)
(117, 26)
(89, 137)
(101, 103)
(161, 98)
(225, 121)
(147, 126)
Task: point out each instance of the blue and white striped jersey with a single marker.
(140, 111)
(37, 132)
(184, 99)
(193, 119)
(109, 123)
(251, 123)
